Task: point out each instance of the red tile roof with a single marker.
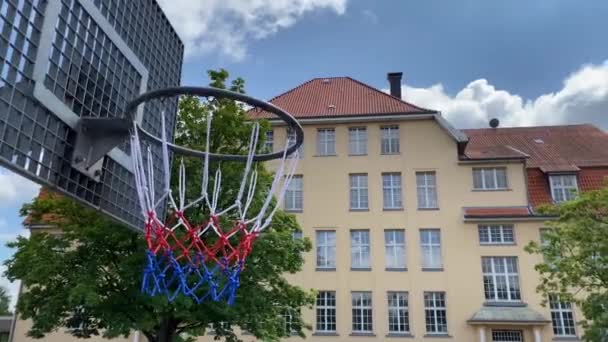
(552, 148)
(496, 212)
(588, 179)
(340, 96)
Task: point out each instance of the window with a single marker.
(490, 178)
(500, 278)
(291, 140)
(430, 244)
(561, 317)
(426, 190)
(435, 313)
(293, 195)
(398, 313)
(391, 190)
(358, 192)
(326, 141)
(563, 187)
(290, 323)
(359, 249)
(507, 336)
(389, 143)
(326, 249)
(357, 141)
(362, 312)
(269, 141)
(326, 311)
(394, 248)
(496, 234)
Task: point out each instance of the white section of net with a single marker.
(240, 208)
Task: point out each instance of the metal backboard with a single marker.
(62, 60)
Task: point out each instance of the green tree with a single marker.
(5, 301)
(88, 277)
(575, 252)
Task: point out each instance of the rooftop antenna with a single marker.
(494, 123)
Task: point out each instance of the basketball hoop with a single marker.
(203, 260)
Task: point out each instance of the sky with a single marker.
(524, 62)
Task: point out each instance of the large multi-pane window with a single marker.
(496, 234)
(435, 313)
(430, 245)
(326, 141)
(490, 178)
(398, 313)
(326, 249)
(358, 192)
(290, 324)
(360, 249)
(563, 187)
(362, 312)
(357, 141)
(562, 317)
(291, 140)
(394, 248)
(500, 278)
(389, 139)
(426, 190)
(326, 311)
(391, 190)
(293, 195)
(269, 141)
(507, 336)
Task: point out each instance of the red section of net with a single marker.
(185, 241)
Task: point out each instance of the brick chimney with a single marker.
(394, 80)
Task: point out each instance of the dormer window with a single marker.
(563, 187)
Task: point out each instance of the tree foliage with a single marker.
(575, 251)
(5, 301)
(88, 277)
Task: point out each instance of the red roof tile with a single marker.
(496, 212)
(554, 148)
(339, 96)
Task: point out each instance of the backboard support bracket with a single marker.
(95, 138)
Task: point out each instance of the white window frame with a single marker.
(360, 249)
(326, 141)
(503, 335)
(567, 192)
(389, 139)
(395, 251)
(426, 187)
(560, 311)
(392, 197)
(432, 258)
(432, 313)
(362, 311)
(294, 195)
(357, 141)
(398, 312)
(269, 141)
(359, 193)
(494, 176)
(509, 278)
(326, 249)
(497, 234)
(325, 310)
(291, 140)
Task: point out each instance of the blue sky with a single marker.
(525, 62)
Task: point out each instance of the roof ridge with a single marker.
(391, 96)
(531, 127)
(292, 90)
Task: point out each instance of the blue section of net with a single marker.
(198, 278)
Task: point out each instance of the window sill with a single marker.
(438, 335)
(428, 209)
(393, 209)
(325, 269)
(357, 155)
(322, 333)
(362, 334)
(294, 211)
(390, 154)
(514, 304)
(429, 269)
(566, 338)
(399, 335)
(356, 209)
(497, 244)
(491, 190)
(325, 155)
(396, 269)
(361, 269)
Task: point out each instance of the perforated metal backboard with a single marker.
(63, 60)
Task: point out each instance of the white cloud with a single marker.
(583, 98)
(15, 190)
(228, 26)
